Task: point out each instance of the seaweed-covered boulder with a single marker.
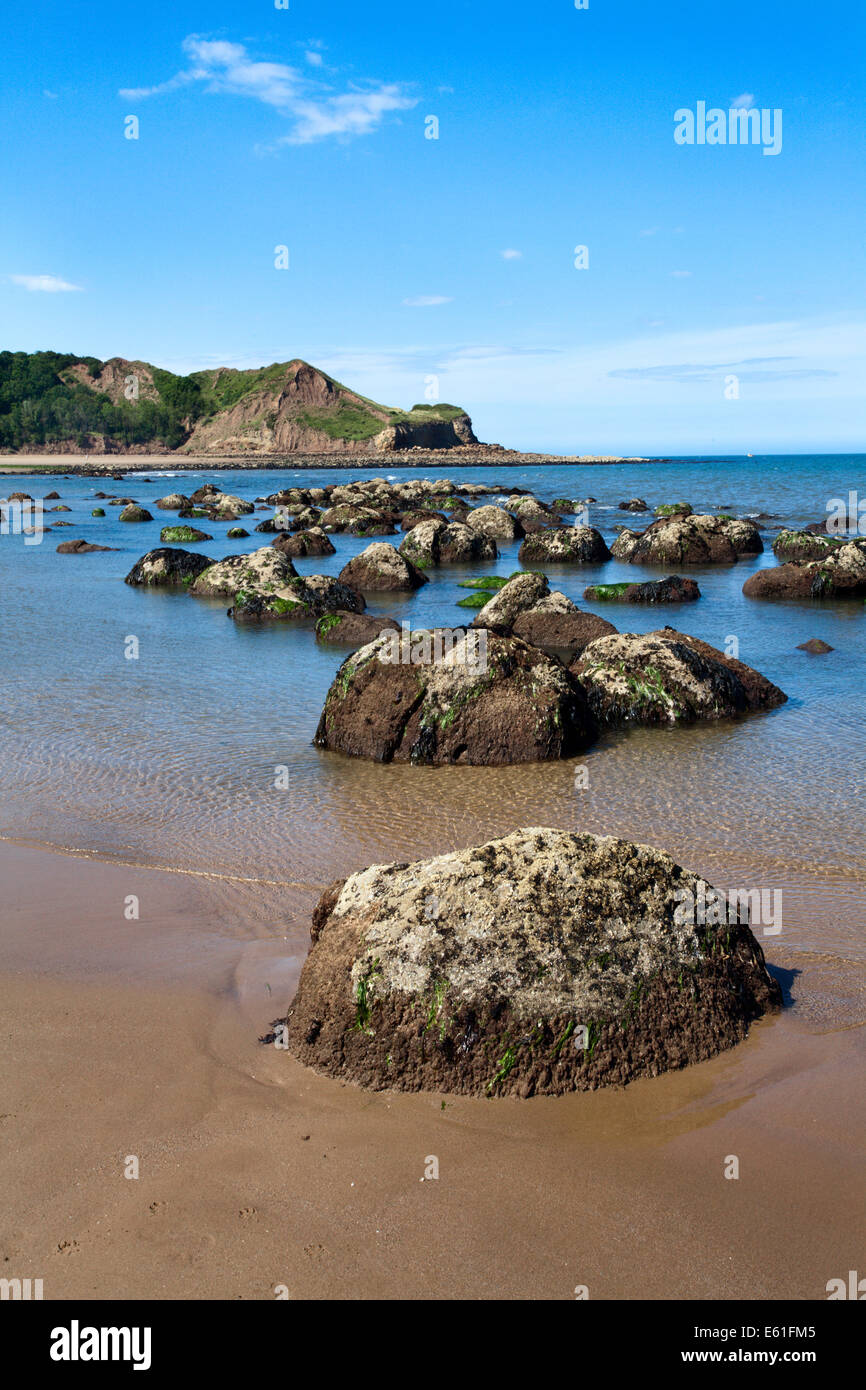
(167, 567)
(300, 599)
(173, 502)
(219, 502)
(524, 505)
(495, 522)
(266, 569)
(132, 512)
(440, 697)
(183, 535)
(666, 677)
(311, 542)
(564, 545)
(539, 963)
(381, 567)
(674, 589)
(346, 514)
(689, 540)
(841, 574)
(760, 692)
(801, 546)
(815, 646)
(634, 504)
(352, 629)
(441, 543)
(674, 509)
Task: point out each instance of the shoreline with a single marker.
(107, 465)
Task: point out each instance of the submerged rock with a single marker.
(167, 566)
(79, 547)
(668, 677)
(564, 545)
(674, 589)
(539, 963)
(184, 534)
(440, 697)
(815, 645)
(689, 540)
(382, 568)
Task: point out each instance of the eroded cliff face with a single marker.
(283, 408)
(308, 412)
(120, 379)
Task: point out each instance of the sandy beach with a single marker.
(255, 1173)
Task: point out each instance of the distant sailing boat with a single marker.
(750, 456)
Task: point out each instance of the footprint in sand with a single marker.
(246, 1212)
(315, 1252)
(67, 1247)
(156, 1206)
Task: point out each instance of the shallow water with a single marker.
(171, 759)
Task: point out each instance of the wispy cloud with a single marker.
(681, 274)
(44, 284)
(315, 109)
(427, 301)
(748, 369)
(786, 361)
(511, 255)
(745, 99)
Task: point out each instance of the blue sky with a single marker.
(305, 127)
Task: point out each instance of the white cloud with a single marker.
(794, 360)
(511, 254)
(426, 301)
(648, 231)
(317, 112)
(681, 274)
(46, 284)
(745, 99)
(314, 59)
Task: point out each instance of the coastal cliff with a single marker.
(59, 403)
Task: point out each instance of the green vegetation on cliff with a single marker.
(61, 399)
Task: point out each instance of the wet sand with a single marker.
(139, 1037)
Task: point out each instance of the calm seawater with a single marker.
(170, 759)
